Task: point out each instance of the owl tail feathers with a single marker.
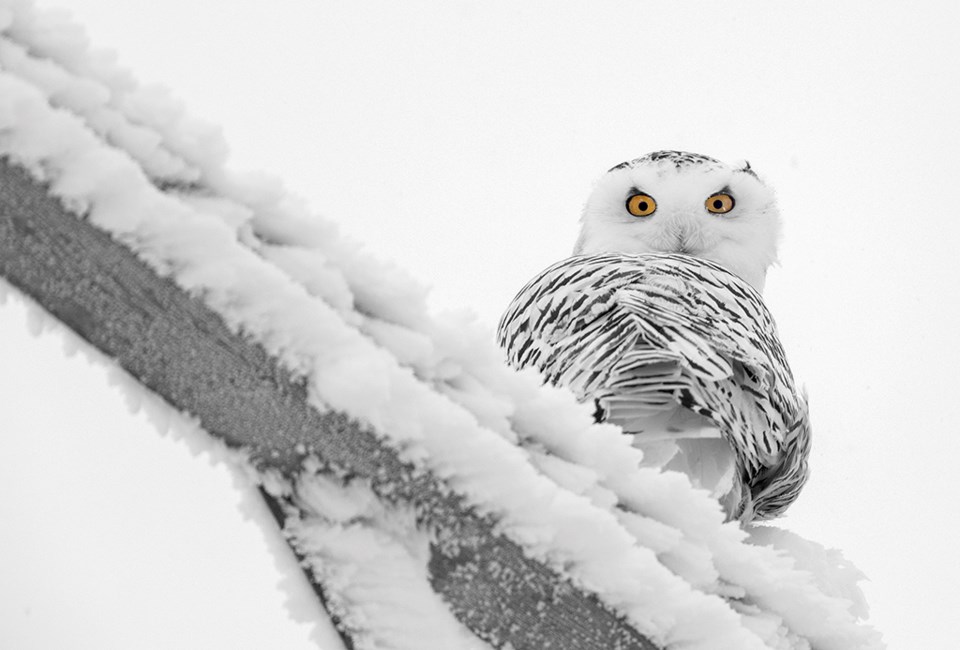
(682, 441)
(676, 439)
(709, 463)
(712, 465)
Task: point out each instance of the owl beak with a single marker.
(685, 240)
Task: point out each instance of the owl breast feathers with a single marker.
(683, 355)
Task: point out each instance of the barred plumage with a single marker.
(681, 352)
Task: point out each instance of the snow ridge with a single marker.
(435, 387)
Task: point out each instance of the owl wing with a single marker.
(646, 334)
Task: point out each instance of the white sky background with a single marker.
(460, 139)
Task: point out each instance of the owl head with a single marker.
(678, 202)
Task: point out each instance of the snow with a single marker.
(373, 560)
(154, 541)
(570, 492)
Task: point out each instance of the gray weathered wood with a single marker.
(177, 347)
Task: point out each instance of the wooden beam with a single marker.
(276, 505)
(177, 347)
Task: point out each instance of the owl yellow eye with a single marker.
(720, 203)
(641, 205)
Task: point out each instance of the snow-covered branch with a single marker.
(178, 348)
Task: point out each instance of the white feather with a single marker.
(744, 240)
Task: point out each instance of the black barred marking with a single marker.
(578, 303)
(598, 413)
(523, 348)
(679, 159)
(548, 315)
(522, 328)
(746, 169)
(661, 329)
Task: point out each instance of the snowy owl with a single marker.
(663, 328)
